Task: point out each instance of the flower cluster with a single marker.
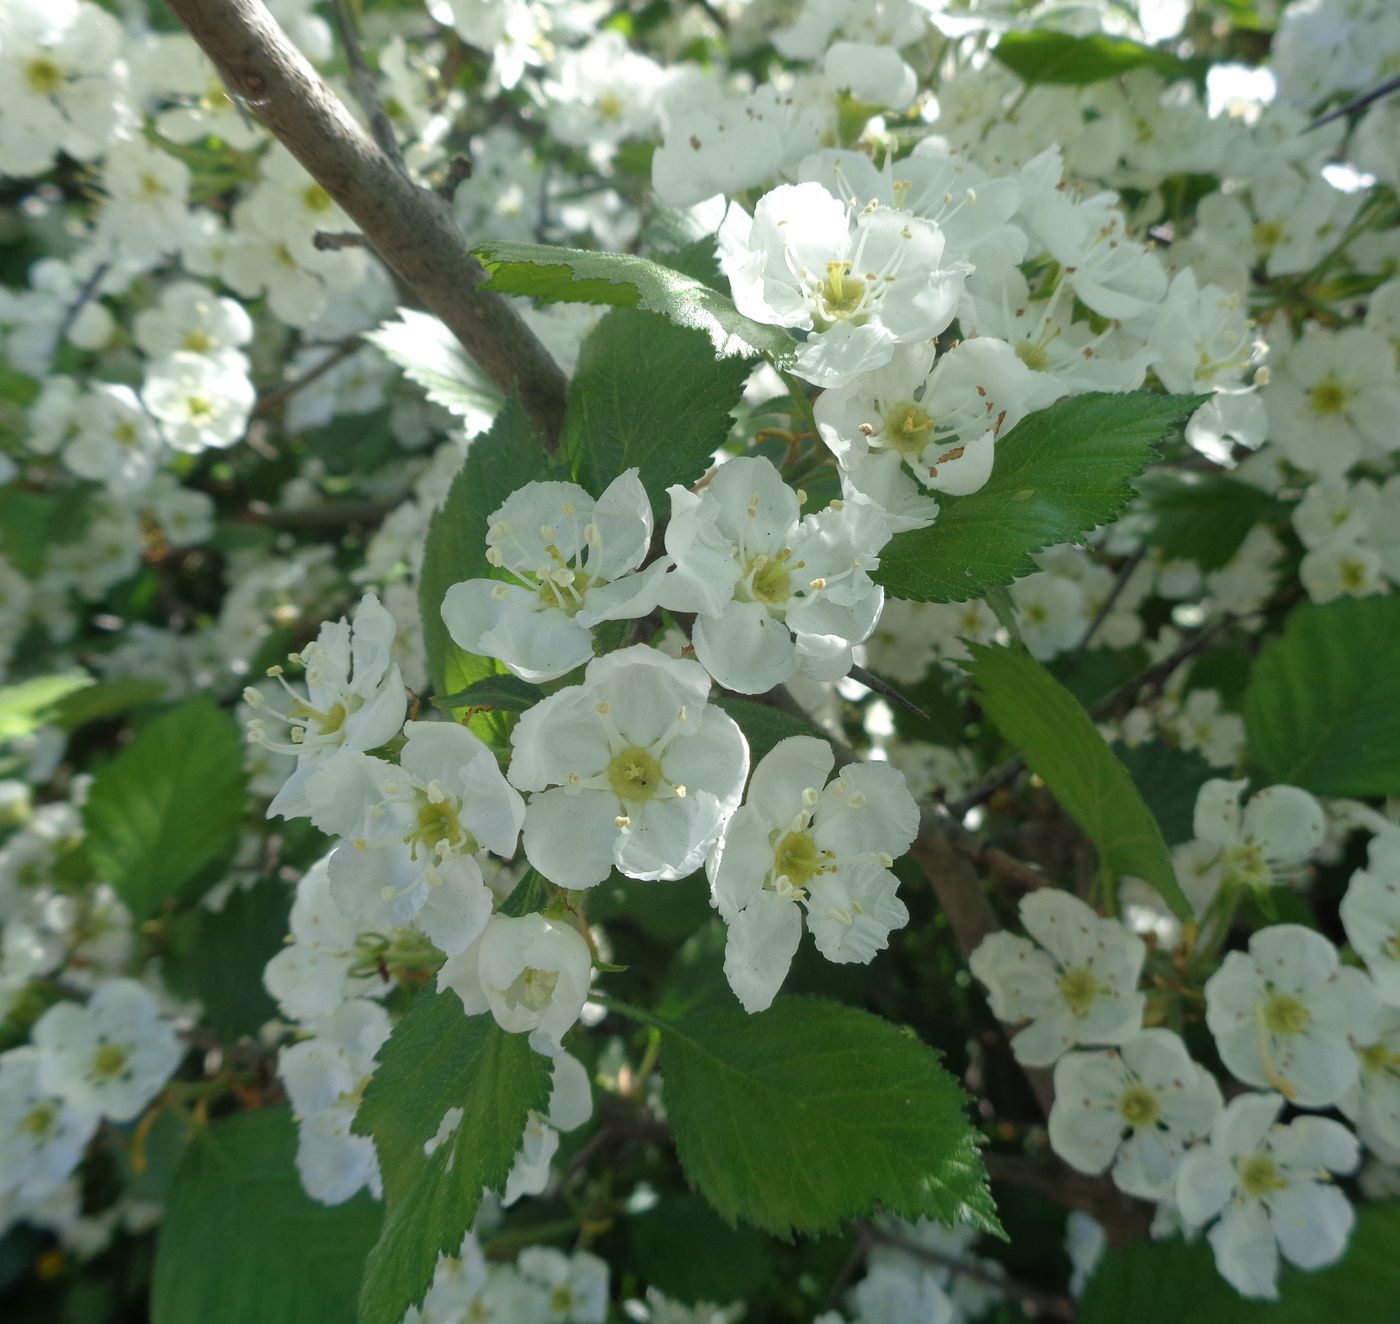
(630, 730)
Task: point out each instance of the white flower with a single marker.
(1268, 1185)
(42, 1136)
(570, 1106)
(1135, 1108)
(110, 1056)
(325, 1078)
(354, 700)
(310, 977)
(829, 847)
(1372, 1105)
(1371, 916)
(531, 973)
(577, 1284)
(773, 595)
(1080, 989)
(199, 401)
(114, 441)
(860, 280)
(1285, 1015)
(632, 769)
(1111, 273)
(571, 561)
(906, 429)
(1280, 829)
(190, 318)
(414, 831)
(64, 78)
(1333, 398)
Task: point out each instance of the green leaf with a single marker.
(1322, 710)
(1175, 1282)
(431, 356)
(812, 1113)
(507, 457)
(668, 425)
(439, 1058)
(1058, 57)
(1169, 780)
(1204, 517)
(576, 275)
(229, 951)
(763, 726)
(111, 698)
(26, 706)
(505, 693)
(240, 1239)
(1058, 474)
(680, 1247)
(167, 805)
(1062, 746)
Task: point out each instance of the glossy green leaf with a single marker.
(1059, 474)
(576, 275)
(669, 426)
(1175, 1282)
(812, 1113)
(438, 1059)
(1322, 710)
(240, 1240)
(1060, 743)
(168, 805)
(1046, 56)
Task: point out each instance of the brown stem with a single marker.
(410, 228)
(1044, 1303)
(1123, 1218)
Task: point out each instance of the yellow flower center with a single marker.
(108, 1062)
(1079, 988)
(197, 342)
(39, 1121)
(635, 775)
(908, 429)
(43, 76)
(1329, 396)
(1140, 1107)
(798, 859)
(1285, 1015)
(840, 295)
(532, 989)
(1259, 1176)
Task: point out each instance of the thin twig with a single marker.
(1044, 1303)
(362, 85)
(882, 687)
(85, 294)
(328, 241)
(1124, 575)
(1359, 103)
(274, 399)
(318, 517)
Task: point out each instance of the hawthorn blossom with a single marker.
(573, 563)
(861, 281)
(530, 973)
(1286, 1014)
(1134, 1109)
(1267, 1185)
(774, 595)
(1079, 986)
(802, 844)
(633, 769)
